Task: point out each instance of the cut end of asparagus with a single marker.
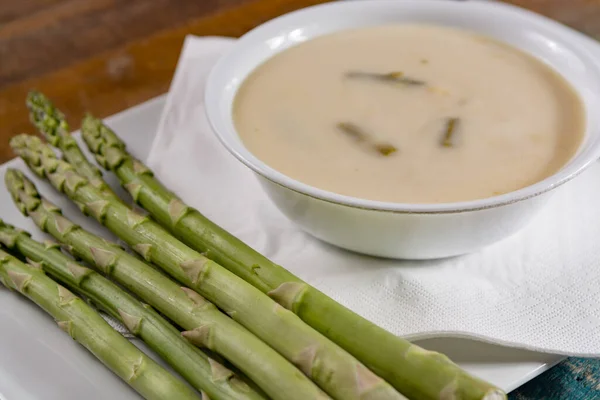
(47, 118)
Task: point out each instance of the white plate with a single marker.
(39, 362)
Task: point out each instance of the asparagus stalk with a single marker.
(202, 372)
(206, 325)
(334, 370)
(52, 124)
(396, 360)
(88, 328)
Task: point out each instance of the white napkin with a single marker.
(539, 289)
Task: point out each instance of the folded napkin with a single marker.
(538, 290)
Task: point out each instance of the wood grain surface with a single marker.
(108, 55)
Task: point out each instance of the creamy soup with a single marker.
(411, 114)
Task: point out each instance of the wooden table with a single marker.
(108, 55)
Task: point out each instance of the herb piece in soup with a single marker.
(451, 124)
(392, 77)
(360, 136)
(353, 131)
(386, 149)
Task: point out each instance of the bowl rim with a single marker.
(577, 164)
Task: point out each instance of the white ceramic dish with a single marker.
(39, 362)
(417, 231)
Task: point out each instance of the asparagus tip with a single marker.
(46, 117)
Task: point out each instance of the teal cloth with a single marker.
(572, 379)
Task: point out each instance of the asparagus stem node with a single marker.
(52, 124)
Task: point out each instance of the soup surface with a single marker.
(410, 114)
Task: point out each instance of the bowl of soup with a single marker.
(409, 129)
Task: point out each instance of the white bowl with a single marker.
(417, 231)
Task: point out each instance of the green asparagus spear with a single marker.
(338, 373)
(88, 328)
(396, 360)
(202, 372)
(206, 325)
(52, 124)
